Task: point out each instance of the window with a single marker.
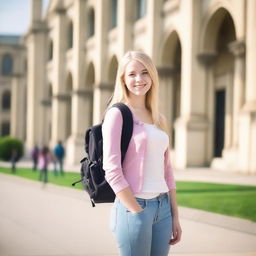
(6, 100)
(7, 65)
(114, 14)
(141, 8)
(91, 23)
(70, 35)
(50, 56)
(5, 129)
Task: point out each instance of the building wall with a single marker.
(12, 82)
(202, 49)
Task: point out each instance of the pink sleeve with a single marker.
(168, 171)
(111, 134)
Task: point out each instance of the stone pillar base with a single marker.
(74, 150)
(228, 162)
(247, 143)
(190, 146)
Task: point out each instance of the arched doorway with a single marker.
(220, 34)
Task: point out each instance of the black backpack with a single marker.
(92, 173)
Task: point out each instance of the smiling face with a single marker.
(137, 79)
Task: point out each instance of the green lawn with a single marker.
(232, 200)
(65, 180)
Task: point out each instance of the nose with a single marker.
(138, 78)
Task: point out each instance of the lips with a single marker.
(140, 85)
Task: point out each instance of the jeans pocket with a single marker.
(143, 205)
(113, 218)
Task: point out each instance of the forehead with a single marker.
(134, 65)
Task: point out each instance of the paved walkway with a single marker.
(57, 221)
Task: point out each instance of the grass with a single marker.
(232, 200)
(65, 180)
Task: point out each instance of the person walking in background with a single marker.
(35, 155)
(144, 217)
(14, 158)
(43, 162)
(59, 153)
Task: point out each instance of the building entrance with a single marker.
(219, 128)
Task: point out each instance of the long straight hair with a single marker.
(120, 93)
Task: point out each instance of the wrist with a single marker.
(137, 209)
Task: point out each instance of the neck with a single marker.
(137, 103)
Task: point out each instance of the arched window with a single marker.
(91, 28)
(7, 65)
(50, 53)
(141, 8)
(5, 129)
(114, 14)
(70, 35)
(6, 100)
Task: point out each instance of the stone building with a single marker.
(205, 53)
(12, 86)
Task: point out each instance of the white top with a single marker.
(154, 182)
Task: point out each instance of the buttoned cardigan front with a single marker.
(131, 173)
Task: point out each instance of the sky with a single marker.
(15, 16)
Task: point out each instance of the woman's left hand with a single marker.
(176, 230)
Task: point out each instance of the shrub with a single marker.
(7, 145)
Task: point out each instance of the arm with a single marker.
(176, 228)
(111, 134)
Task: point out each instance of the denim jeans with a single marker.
(146, 233)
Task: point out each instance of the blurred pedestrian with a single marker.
(35, 155)
(59, 153)
(14, 158)
(43, 162)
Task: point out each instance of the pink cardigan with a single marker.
(131, 175)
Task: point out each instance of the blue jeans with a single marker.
(146, 233)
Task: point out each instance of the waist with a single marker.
(158, 198)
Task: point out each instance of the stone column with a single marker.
(60, 98)
(191, 126)
(47, 119)
(18, 107)
(250, 93)
(36, 54)
(125, 25)
(81, 104)
(99, 101)
(154, 9)
(102, 93)
(166, 95)
(59, 105)
(80, 97)
(247, 124)
(238, 50)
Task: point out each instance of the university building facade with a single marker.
(205, 54)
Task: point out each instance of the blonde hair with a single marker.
(120, 93)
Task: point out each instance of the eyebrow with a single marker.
(132, 71)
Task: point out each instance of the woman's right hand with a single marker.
(128, 200)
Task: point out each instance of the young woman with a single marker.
(44, 160)
(144, 217)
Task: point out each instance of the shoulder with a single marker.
(113, 114)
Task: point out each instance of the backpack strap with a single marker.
(127, 128)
